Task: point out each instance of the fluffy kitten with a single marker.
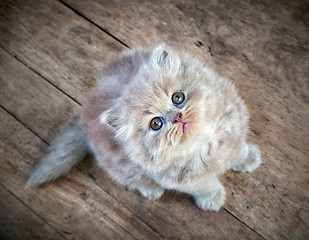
(159, 120)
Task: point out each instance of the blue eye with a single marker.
(156, 123)
(178, 98)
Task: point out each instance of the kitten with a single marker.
(159, 120)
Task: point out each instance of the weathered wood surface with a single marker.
(102, 215)
(56, 43)
(17, 221)
(262, 47)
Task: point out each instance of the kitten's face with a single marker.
(162, 110)
(168, 116)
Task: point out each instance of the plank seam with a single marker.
(40, 75)
(118, 202)
(95, 24)
(225, 209)
(23, 203)
(29, 129)
(149, 226)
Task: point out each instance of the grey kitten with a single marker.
(159, 120)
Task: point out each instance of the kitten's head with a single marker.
(161, 112)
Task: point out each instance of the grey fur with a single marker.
(68, 149)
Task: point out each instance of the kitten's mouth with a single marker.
(184, 123)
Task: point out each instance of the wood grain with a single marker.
(25, 94)
(262, 46)
(56, 43)
(18, 222)
(125, 210)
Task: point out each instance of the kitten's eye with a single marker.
(156, 123)
(178, 98)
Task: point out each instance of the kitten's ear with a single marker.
(110, 117)
(164, 59)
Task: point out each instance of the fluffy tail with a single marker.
(68, 149)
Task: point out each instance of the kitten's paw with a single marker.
(213, 203)
(252, 161)
(152, 193)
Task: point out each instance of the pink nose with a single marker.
(178, 119)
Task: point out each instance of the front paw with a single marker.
(212, 203)
(152, 193)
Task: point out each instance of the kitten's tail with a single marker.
(68, 149)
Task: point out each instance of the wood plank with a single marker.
(160, 217)
(76, 201)
(262, 46)
(75, 207)
(18, 222)
(276, 98)
(24, 93)
(56, 43)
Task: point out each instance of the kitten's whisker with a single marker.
(175, 134)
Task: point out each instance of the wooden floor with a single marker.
(49, 53)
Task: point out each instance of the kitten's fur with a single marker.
(133, 90)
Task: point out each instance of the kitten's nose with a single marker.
(177, 118)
